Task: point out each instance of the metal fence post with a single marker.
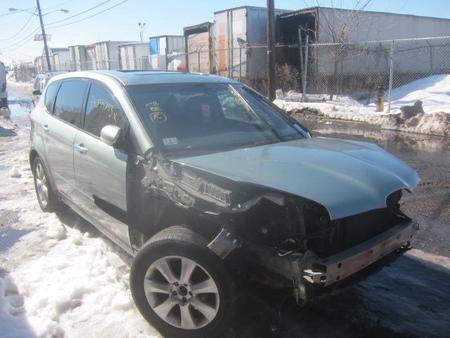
(301, 56)
(391, 75)
(240, 63)
(305, 68)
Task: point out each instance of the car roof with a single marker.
(130, 78)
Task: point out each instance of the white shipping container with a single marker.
(107, 54)
(233, 30)
(61, 59)
(167, 52)
(134, 56)
(90, 58)
(78, 57)
(199, 44)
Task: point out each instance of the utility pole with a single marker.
(44, 37)
(270, 51)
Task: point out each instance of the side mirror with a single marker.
(110, 134)
(37, 92)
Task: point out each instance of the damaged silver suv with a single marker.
(189, 173)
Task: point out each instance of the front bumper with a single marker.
(327, 271)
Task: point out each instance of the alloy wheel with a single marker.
(41, 184)
(181, 292)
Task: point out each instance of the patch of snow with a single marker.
(55, 279)
(15, 172)
(433, 91)
(22, 85)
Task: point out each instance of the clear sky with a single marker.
(161, 17)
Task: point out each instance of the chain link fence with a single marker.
(317, 70)
(361, 70)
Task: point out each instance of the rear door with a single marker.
(61, 128)
(100, 169)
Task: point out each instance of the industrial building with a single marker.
(325, 25)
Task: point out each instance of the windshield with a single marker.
(209, 117)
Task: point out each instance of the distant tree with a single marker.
(339, 27)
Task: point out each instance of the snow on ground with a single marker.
(56, 279)
(24, 85)
(433, 91)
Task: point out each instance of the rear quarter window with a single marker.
(50, 96)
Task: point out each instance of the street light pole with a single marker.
(44, 37)
(141, 33)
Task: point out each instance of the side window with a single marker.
(102, 109)
(69, 102)
(50, 95)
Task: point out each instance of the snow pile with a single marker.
(56, 280)
(433, 91)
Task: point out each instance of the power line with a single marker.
(80, 13)
(89, 17)
(21, 42)
(21, 29)
(24, 41)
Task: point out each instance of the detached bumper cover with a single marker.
(335, 268)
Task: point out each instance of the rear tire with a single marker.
(45, 195)
(181, 287)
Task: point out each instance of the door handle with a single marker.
(81, 148)
(46, 128)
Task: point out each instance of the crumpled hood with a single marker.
(346, 177)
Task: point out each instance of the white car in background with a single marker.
(41, 81)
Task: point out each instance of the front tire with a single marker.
(45, 195)
(181, 287)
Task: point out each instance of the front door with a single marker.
(100, 169)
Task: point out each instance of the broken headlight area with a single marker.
(300, 243)
(298, 226)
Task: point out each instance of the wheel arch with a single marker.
(169, 215)
(32, 156)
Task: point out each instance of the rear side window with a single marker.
(102, 109)
(69, 102)
(50, 95)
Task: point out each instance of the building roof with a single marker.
(202, 27)
(165, 36)
(58, 49)
(239, 7)
(130, 78)
(134, 44)
(250, 8)
(316, 8)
